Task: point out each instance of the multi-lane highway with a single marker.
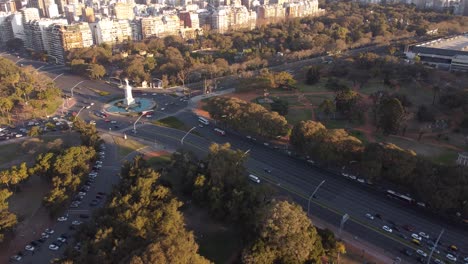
(337, 196)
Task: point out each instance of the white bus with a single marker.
(203, 120)
(220, 131)
(254, 178)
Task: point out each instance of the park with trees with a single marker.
(345, 25)
(143, 220)
(59, 167)
(25, 93)
(392, 119)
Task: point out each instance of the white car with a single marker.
(88, 107)
(371, 217)
(162, 109)
(153, 94)
(144, 94)
(416, 236)
(92, 122)
(45, 235)
(451, 257)
(422, 234)
(91, 104)
(53, 247)
(49, 231)
(62, 218)
(76, 222)
(29, 248)
(422, 253)
(388, 229)
(345, 174)
(352, 177)
(81, 193)
(361, 180)
(62, 239)
(113, 122)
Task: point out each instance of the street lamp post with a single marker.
(435, 245)
(186, 134)
(57, 77)
(40, 68)
(74, 88)
(245, 153)
(79, 112)
(312, 195)
(343, 221)
(56, 60)
(134, 124)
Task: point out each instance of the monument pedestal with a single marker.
(129, 100)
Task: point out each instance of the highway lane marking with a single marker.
(324, 206)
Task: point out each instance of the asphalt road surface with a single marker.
(337, 196)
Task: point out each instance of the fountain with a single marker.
(129, 104)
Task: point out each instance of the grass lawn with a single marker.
(28, 149)
(319, 98)
(295, 115)
(416, 94)
(318, 87)
(373, 86)
(126, 146)
(292, 100)
(220, 243)
(159, 162)
(172, 122)
(446, 158)
(9, 148)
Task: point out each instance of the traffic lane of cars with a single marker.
(350, 196)
(380, 202)
(327, 215)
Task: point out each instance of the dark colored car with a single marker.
(408, 252)
(84, 216)
(379, 216)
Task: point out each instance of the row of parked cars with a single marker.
(63, 238)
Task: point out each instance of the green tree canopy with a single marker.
(285, 235)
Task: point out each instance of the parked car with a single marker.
(388, 229)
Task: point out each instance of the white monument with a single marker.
(128, 94)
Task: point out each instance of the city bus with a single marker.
(401, 197)
(203, 120)
(219, 131)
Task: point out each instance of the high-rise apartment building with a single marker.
(63, 38)
(88, 15)
(7, 6)
(36, 33)
(6, 31)
(160, 26)
(123, 11)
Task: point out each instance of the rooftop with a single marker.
(459, 43)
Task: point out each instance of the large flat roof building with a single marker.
(444, 53)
